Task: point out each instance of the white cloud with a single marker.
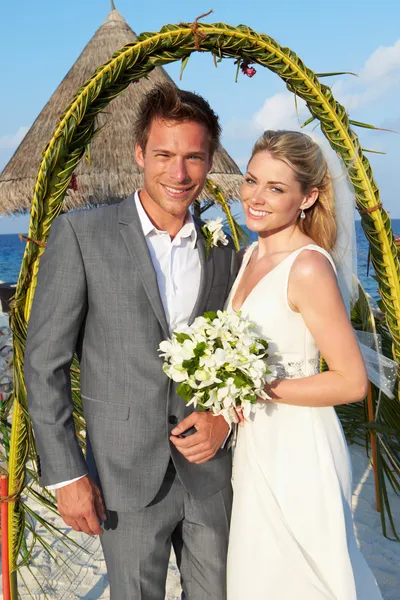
(279, 112)
(11, 141)
(383, 63)
(380, 73)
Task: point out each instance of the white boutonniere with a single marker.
(214, 234)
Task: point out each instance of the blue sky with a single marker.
(39, 41)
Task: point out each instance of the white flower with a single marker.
(214, 227)
(168, 347)
(187, 349)
(198, 324)
(176, 353)
(175, 372)
(247, 408)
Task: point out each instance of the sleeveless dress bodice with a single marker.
(294, 351)
(292, 534)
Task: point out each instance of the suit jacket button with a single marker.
(172, 420)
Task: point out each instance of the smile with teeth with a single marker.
(177, 191)
(258, 214)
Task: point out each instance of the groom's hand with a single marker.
(205, 443)
(81, 506)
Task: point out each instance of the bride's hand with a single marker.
(239, 416)
(270, 389)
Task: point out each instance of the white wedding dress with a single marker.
(292, 535)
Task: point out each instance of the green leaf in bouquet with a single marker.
(223, 375)
(206, 396)
(184, 391)
(263, 343)
(252, 398)
(210, 316)
(190, 365)
(240, 380)
(199, 350)
(181, 337)
(218, 343)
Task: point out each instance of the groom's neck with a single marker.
(161, 217)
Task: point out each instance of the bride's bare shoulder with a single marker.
(312, 280)
(311, 266)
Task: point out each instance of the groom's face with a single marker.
(176, 161)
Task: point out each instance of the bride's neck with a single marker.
(278, 240)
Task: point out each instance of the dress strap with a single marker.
(247, 253)
(245, 259)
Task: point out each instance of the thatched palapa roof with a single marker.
(112, 173)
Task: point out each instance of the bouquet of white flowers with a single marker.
(219, 363)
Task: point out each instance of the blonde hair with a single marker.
(306, 159)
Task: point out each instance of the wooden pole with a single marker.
(4, 539)
(371, 419)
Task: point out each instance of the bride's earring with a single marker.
(302, 215)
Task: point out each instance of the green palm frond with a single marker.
(18, 456)
(71, 140)
(219, 198)
(242, 234)
(320, 75)
(367, 126)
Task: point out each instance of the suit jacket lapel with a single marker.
(132, 233)
(207, 273)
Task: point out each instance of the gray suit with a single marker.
(97, 295)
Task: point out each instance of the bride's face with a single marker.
(271, 195)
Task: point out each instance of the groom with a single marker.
(160, 482)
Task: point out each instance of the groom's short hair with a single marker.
(166, 102)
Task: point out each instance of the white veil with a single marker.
(381, 370)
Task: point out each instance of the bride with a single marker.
(292, 535)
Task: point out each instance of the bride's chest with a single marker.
(267, 306)
(255, 281)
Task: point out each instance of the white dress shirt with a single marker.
(178, 269)
(177, 266)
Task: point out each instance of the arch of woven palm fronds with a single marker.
(71, 140)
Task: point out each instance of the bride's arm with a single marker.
(313, 292)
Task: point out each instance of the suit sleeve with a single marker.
(58, 311)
